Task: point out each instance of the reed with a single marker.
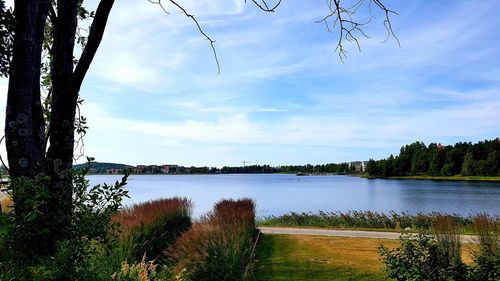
(365, 219)
(487, 258)
(447, 232)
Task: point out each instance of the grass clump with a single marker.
(487, 258)
(142, 233)
(148, 228)
(218, 247)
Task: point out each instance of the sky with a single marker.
(153, 94)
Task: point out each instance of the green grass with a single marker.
(296, 257)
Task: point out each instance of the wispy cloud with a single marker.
(153, 94)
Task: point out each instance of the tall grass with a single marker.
(447, 231)
(144, 230)
(487, 259)
(218, 247)
(152, 226)
(364, 219)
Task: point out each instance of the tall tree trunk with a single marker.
(62, 120)
(42, 180)
(24, 130)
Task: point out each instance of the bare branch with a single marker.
(264, 6)
(158, 2)
(350, 28)
(201, 31)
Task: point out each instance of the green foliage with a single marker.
(426, 257)
(469, 165)
(479, 159)
(448, 170)
(421, 258)
(25, 230)
(6, 38)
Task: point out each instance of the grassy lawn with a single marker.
(321, 258)
(300, 257)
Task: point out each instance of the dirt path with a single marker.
(344, 233)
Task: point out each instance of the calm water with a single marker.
(277, 194)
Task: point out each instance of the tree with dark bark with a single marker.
(40, 146)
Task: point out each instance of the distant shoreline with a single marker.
(421, 177)
(442, 178)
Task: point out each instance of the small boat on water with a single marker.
(299, 174)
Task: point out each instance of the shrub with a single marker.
(219, 246)
(420, 257)
(24, 228)
(437, 257)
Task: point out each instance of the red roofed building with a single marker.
(440, 147)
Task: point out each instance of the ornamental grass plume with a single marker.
(219, 245)
(148, 212)
(152, 226)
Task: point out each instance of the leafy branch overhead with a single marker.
(6, 38)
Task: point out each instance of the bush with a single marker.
(421, 257)
(218, 248)
(437, 257)
(25, 227)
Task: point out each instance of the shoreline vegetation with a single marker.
(440, 178)
(368, 220)
(460, 162)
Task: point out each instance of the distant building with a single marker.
(359, 166)
(363, 165)
(440, 147)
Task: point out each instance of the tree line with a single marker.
(343, 168)
(463, 158)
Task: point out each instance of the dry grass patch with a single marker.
(356, 253)
(322, 258)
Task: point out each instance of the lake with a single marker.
(277, 194)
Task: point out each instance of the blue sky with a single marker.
(153, 95)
